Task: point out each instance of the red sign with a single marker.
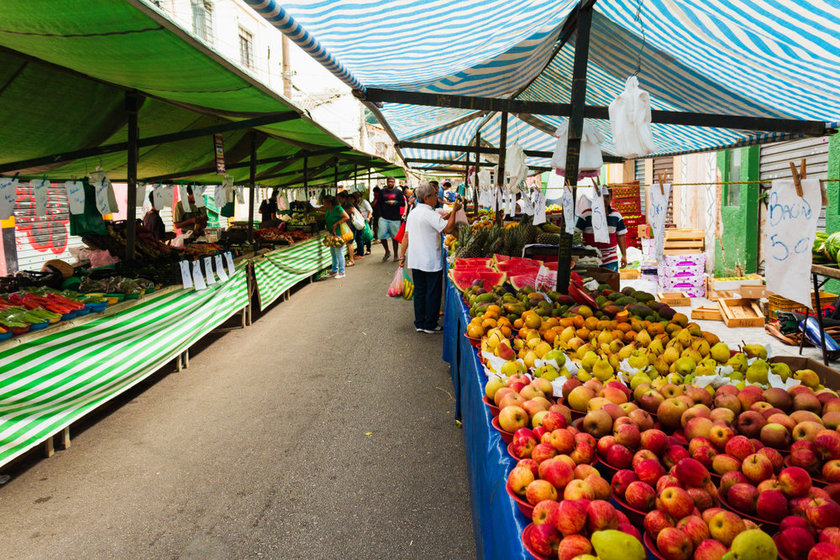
(219, 149)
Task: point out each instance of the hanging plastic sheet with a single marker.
(517, 168)
(590, 161)
(630, 121)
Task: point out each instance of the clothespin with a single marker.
(802, 169)
(797, 180)
(661, 184)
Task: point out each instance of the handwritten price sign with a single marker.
(599, 219)
(791, 228)
(658, 216)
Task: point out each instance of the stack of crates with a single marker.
(627, 201)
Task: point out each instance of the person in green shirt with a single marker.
(335, 216)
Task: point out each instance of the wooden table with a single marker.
(827, 272)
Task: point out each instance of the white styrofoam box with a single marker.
(680, 261)
(690, 290)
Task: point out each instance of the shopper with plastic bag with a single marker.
(365, 235)
(420, 251)
(335, 218)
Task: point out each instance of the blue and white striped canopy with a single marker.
(766, 58)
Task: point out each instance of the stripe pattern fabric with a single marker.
(49, 382)
(278, 271)
(765, 58)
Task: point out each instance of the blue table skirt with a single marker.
(497, 521)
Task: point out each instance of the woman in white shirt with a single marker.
(421, 252)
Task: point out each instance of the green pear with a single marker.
(513, 367)
(685, 365)
(548, 371)
(589, 360)
(638, 361)
(808, 377)
(753, 544)
(602, 370)
(755, 351)
(556, 355)
(757, 372)
(720, 352)
(738, 362)
(781, 369)
(615, 545)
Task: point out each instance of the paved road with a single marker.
(324, 431)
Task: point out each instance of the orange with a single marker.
(502, 321)
(475, 331)
(506, 331)
(518, 324)
(494, 309)
(630, 336)
(590, 323)
(549, 335)
(623, 327)
(603, 325)
(577, 321)
(583, 333)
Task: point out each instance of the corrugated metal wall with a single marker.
(774, 163)
(42, 238)
(639, 175)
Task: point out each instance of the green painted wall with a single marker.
(738, 244)
(832, 212)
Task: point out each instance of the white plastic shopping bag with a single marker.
(590, 160)
(517, 169)
(630, 121)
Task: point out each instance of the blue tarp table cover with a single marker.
(497, 521)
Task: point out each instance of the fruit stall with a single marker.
(605, 420)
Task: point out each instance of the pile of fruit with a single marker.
(485, 238)
(273, 235)
(36, 308)
(605, 395)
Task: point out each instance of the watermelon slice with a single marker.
(472, 263)
(464, 279)
(500, 258)
(518, 267)
(521, 280)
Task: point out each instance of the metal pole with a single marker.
(252, 183)
(132, 104)
(477, 161)
(500, 177)
(564, 252)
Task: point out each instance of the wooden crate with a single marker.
(675, 299)
(630, 273)
(741, 313)
(706, 313)
(684, 241)
(714, 296)
(778, 303)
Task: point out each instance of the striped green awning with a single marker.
(279, 270)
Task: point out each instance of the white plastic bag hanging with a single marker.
(142, 196)
(240, 194)
(630, 121)
(41, 190)
(590, 161)
(8, 194)
(484, 177)
(183, 195)
(517, 169)
(75, 196)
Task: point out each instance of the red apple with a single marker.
(621, 480)
(702, 499)
(583, 453)
(555, 471)
(742, 496)
(642, 455)
(824, 551)
(695, 528)
(573, 546)
(570, 517)
(691, 472)
(519, 479)
(827, 444)
(807, 401)
(795, 482)
(588, 439)
(807, 430)
(649, 471)
(674, 544)
(775, 435)
(641, 496)
(670, 413)
(720, 435)
(666, 481)
(831, 471)
(529, 464)
(540, 490)
(756, 468)
(778, 398)
(705, 454)
(775, 457)
(619, 456)
(724, 463)
(673, 456)
(655, 521)
(563, 441)
(728, 401)
(543, 511)
(740, 447)
(730, 479)
(676, 502)
(771, 505)
(554, 421)
(629, 529)
(642, 418)
(722, 414)
(769, 484)
(710, 549)
(578, 490)
(604, 445)
(524, 442)
(598, 423)
(699, 426)
(794, 543)
(583, 471)
(627, 435)
(823, 513)
(600, 516)
(750, 423)
(542, 452)
(654, 440)
(545, 539)
(724, 526)
(512, 418)
(830, 534)
(749, 395)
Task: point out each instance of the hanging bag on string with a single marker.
(89, 222)
(590, 161)
(630, 118)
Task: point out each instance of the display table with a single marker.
(277, 271)
(497, 521)
(827, 272)
(50, 380)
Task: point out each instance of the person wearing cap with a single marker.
(188, 217)
(152, 220)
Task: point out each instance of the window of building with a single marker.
(733, 192)
(202, 12)
(246, 48)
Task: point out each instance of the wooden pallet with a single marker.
(741, 313)
(720, 294)
(674, 299)
(684, 241)
(709, 313)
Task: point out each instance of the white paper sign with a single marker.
(208, 270)
(41, 189)
(198, 279)
(219, 196)
(8, 194)
(142, 196)
(186, 277)
(75, 196)
(198, 194)
(220, 268)
(599, 219)
(100, 189)
(229, 260)
(658, 216)
(546, 278)
(791, 228)
(539, 209)
(240, 194)
(568, 203)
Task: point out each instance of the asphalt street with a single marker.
(323, 431)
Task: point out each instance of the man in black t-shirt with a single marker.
(391, 204)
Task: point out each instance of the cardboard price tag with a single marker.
(186, 275)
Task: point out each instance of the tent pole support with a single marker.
(477, 165)
(608, 158)
(252, 183)
(132, 105)
(500, 176)
(578, 98)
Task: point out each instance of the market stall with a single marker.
(277, 271)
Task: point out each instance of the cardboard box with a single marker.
(752, 292)
(828, 376)
(603, 275)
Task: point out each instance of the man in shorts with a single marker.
(391, 203)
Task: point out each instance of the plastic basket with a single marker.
(627, 206)
(778, 303)
(626, 191)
